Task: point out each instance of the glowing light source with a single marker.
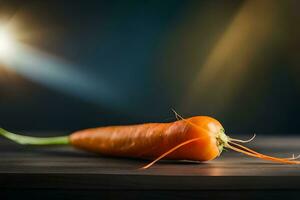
(54, 72)
(6, 43)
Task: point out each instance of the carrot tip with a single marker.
(252, 153)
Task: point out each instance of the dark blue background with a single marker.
(138, 48)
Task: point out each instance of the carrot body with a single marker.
(153, 139)
(198, 138)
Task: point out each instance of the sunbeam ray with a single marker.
(224, 70)
(60, 75)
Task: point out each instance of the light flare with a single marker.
(225, 70)
(7, 43)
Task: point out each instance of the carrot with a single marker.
(199, 138)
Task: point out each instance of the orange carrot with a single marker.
(152, 140)
(198, 138)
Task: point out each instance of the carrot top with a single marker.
(28, 140)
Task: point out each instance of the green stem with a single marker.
(27, 140)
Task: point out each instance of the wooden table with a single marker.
(65, 173)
